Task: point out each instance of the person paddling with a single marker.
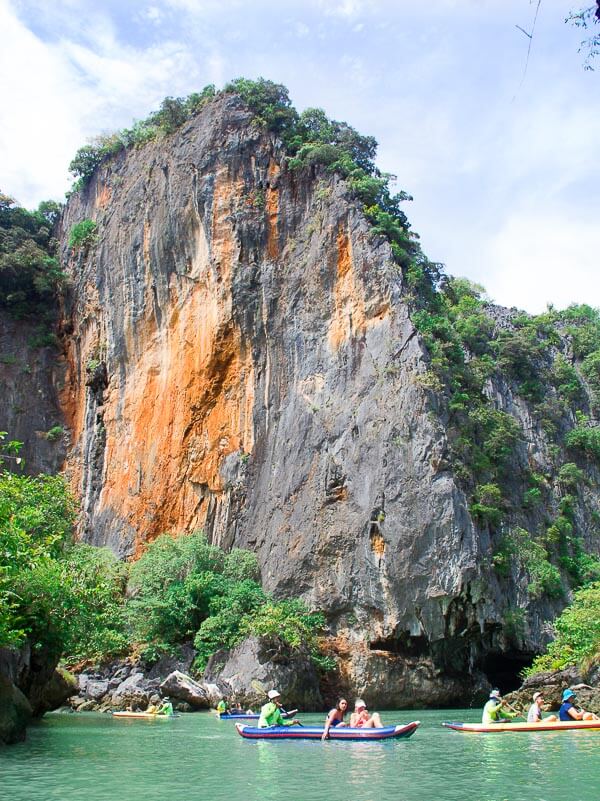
(335, 717)
(166, 708)
(569, 712)
(493, 711)
(270, 713)
(223, 706)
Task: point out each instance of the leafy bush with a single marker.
(83, 234)
(577, 633)
(97, 580)
(30, 276)
(185, 587)
(36, 516)
(585, 438)
(519, 549)
(487, 505)
(54, 433)
(570, 476)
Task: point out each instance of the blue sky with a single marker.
(502, 162)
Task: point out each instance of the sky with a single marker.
(498, 149)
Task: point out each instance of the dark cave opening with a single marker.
(502, 670)
(402, 645)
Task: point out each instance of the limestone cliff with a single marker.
(243, 360)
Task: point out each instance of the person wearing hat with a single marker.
(493, 711)
(568, 711)
(361, 718)
(166, 708)
(270, 713)
(535, 710)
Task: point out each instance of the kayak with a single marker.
(336, 733)
(253, 716)
(146, 715)
(556, 725)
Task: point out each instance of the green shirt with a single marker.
(270, 715)
(166, 709)
(221, 707)
(493, 713)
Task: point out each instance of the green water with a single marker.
(93, 757)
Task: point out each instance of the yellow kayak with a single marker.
(146, 715)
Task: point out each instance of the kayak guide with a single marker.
(493, 711)
(271, 715)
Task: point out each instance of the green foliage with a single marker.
(270, 103)
(54, 433)
(518, 549)
(173, 112)
(83, 234)
(570, 476)
(583, 18)
(577, 633)
(185, 587)
(96, 580)
(585, 438)
(590, 367)
(30, 276)
(487, 507)
(36, 516)
(289, 622)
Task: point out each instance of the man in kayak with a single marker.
(223, 706)
(270, 713)
(493, 711)
(166, 708)
(569, 712)
(535, 710)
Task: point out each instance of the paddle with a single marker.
(512, 709)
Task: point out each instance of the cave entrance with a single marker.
(502, 670)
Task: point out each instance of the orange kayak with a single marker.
(496, 728)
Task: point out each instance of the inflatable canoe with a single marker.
(337, 733)
(146, 715)
(242, 716)
(496, 728)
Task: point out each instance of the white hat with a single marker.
(495, 694)
(359, 703)
(536, 696)
(273, 694)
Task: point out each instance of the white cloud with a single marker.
(68, 91)
(536, 260)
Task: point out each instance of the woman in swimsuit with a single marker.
(362, 719)
(335, 717)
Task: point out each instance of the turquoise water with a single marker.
(93, 757)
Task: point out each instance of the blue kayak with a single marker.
(336, 733)
(255, 716)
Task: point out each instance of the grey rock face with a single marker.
(15, 712)
(95, 690)
(250, 670)
(133, 691)
(184, 688)
(31, 379)
(243, 361)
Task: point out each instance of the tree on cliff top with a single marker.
(30, 275)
